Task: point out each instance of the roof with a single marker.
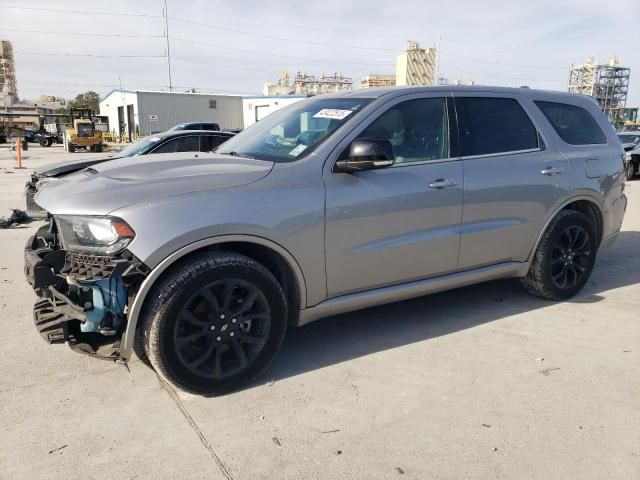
(381, 91)
(175, 133)
(162, 92)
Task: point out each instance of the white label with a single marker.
(155, 139)
(298, 150)
(332, 113)
(153, 118)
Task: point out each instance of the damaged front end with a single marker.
(84, 296)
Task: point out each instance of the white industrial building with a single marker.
(139, 113)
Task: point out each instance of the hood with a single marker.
(107, 186)
(64, 168)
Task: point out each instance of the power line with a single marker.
(133, 85)
(80, 12)
(273, 37)
(468, 72)
(83, 34)
(52, 54)
(502, 63)
(222, 65)
(193, 42)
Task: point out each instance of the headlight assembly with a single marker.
(95, 235)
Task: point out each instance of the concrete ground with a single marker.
(481, 382)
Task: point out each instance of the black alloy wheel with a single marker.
(570, 257)
(222, 328)
(213, 322)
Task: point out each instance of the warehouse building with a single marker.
(139, 113)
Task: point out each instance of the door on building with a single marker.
(121, 121)
(130, 122)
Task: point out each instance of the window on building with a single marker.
(494, 125)
(574, 124)
(213, 104)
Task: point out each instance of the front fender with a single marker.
(128, 338)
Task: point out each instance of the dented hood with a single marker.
(108, 186)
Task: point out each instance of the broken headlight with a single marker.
(94, 235)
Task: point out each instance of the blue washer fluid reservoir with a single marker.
(109, 299)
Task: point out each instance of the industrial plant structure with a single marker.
(416, 66)
(8, 85)
(306, 84)
(376, 80)
(607, 83)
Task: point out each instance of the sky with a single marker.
(235, 46)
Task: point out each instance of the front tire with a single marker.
(565, 257)
(72, 148)
(214, 323)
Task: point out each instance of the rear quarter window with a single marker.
(573, 124)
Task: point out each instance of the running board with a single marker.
(405, 291)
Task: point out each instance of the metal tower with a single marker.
(607, 83)
(8, 85)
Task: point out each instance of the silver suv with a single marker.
(333, 204)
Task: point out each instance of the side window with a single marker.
(211, 142)
(493, 125)
(417, 129)
(181, 144)
(574, 124)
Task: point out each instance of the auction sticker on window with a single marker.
(298, 150)
(332, 113)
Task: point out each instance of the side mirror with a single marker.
(367, 154)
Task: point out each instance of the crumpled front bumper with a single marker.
(63, 281)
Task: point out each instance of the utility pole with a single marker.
(166, 34)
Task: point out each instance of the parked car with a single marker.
(167, 142)
(333, 204)
(631, 144)
(196, 126)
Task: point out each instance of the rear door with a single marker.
(513, 177)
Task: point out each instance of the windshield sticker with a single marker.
(332, 113)
(298, 150)
(154, 139)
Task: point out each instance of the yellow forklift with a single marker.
(83, 132)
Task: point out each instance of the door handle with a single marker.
(441, 183)
(549, 171)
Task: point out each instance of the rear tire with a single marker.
(629, 170)
(564, 258)
(213, 323)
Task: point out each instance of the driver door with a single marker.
(399, 224)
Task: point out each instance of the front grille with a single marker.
(88, 267)
(94, 267)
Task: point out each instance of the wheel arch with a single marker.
(272, 255)
(585, 204)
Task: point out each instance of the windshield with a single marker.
(629, 137)
(295, 131)
(139, 147)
